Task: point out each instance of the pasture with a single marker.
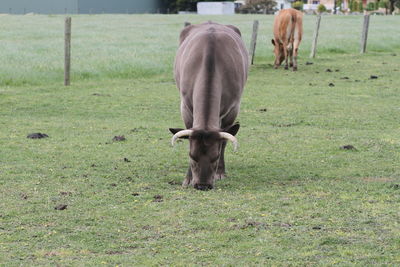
(294, 195)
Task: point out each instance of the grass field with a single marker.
(293, 196)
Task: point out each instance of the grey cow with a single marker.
(211, 68)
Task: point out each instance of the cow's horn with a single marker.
(180, 134)
(231, 138)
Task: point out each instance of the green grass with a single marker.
(293, 197)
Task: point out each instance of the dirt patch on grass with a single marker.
(98, 94)
(61, 207)
(37, 136)
(119, 138)
(317, 227)
(158, 198)
(147, 227)
(250, 224)
(348, 147)
(138, 129)
(53, 254)
(283, 225)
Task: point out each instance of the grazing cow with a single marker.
(211, 68)
(288, 29)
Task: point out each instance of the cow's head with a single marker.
(205, 151)
(279, 53)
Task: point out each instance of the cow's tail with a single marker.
(292, 31)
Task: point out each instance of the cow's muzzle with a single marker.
(203, 187)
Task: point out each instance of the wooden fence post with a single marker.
(315, 37)
(253, 43)
(67, 49)
(364, 36)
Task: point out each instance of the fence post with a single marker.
(67, 47)
(315, 37)
(253, 43)
(364, 36)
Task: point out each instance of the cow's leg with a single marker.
(187, 116)
(295, 51)
(220, 174)
(188, 179)
(291, 56)
(188, 120)
(285, 51)
(227, 122)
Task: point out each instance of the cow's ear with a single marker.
(234, 129)
(235, 29)
(185, 33)
(273, 41)
(175, 130)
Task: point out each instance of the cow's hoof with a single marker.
(286, 67)
(219, 176)
(186, 182)
(291, 65)
(294, 68)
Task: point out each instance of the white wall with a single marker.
(215, 8)
(283, 4)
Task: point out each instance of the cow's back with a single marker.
(207, 42)
(288, 25)
(210, 71)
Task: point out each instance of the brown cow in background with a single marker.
(288, 30)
